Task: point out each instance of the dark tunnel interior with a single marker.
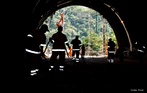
(107, 9)
(100, 7)
(128, 20)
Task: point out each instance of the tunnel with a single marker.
(43, 9)
(119, 15)
(127, 18)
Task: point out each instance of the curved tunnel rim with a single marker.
(48, 13)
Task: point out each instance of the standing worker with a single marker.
(121, 50)
(76, 44)
(59, 41)
(111, 50)
(83, 53)
(34, 50)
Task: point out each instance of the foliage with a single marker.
(85, 22)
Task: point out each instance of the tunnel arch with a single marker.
(43, 9)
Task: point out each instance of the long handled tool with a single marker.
(46, 46)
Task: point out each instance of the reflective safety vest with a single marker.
(33, 52)
(32, 46)
(111, 51)
(76, 44)
(76, 49)
(59, 40)
(58, 49)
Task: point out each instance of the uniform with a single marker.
(76, 48)
(59, 41)
(34, 50)
(111, 51)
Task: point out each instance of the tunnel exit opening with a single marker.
(93, 29)
(107, 11)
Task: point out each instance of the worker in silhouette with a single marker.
(76, 45)
(111, 50)
(140, 50)
(121, 50)
(35, 41)
(59, 41)
(83, 52)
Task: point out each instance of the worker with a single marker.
(36, 40)
(111, 50)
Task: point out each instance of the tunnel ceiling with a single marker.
(132, 13)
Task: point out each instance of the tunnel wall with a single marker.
(123, 7)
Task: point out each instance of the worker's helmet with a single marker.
(44, 28)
